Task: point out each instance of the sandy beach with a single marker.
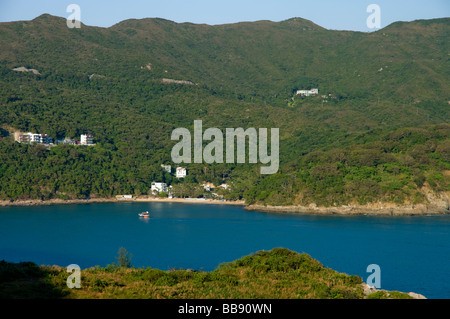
(115, 200)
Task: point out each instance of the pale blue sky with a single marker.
(331, 14)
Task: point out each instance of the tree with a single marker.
(123, 258)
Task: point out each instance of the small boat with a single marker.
(144, 214)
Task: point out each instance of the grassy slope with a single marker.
(248, 59)
(276, 274)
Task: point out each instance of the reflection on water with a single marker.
(144, 219)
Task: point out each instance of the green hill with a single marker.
(109, 81)
(275, 274)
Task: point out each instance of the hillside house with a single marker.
(167, 168)
(124, 197)
(158, 187)
(66, 140)
(208, 186)
(310, 92)
(32, 138)
(87, 139)
(181, 172)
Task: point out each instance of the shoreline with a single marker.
(35, 202)
(386, 209)
(355, 210)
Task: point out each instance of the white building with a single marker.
(180, 172)
(208, 186)
(86, 139)
(66, 140)
(224, 186)
(159, 187)
(21, 138)
(167, 168)
(124, 197)
(32, 138)
(313, 91)
(35, 138)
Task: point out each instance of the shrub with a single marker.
(123, 258)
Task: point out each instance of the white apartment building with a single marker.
(32, 138)
(208, 186)
(180, 172)
(313, 91)
(86, 139)
(158, 187)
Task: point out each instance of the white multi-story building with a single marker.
(158, 187)
(180, 172)
(32, 138)
(86, 139)
(208, 186)
(224, 186)
(35, 138)
(167, 168)
(45, 139)
(313, 91)
(21, 137)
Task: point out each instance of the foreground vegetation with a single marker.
(276, 274)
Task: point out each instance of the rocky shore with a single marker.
(437, 204)
(370, 290)
(385, 210)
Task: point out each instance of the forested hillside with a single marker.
(378, 129)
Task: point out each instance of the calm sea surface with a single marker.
(413, 252)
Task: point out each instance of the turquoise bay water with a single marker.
(413, 252)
